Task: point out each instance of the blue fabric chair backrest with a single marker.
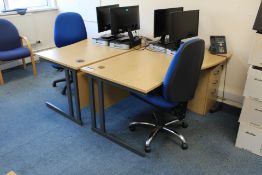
(69, 29)
(183, 73)
(9, 36)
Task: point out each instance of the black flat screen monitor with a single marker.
(183, 25)
(258, 23)
(161, 21)
(103, 17)
(124, 19)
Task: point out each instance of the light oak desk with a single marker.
(72, 58)
(136, 71)
(206, 92)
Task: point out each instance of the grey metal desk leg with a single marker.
(69, 92)
(101, 106)
(76, 95)
(102, 130)
(71, 114)
(92, 102)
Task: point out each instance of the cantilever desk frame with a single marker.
(102, 127)
(92, 57)
(75, 116)
(101, 79)
(135, 55)
(72, 58)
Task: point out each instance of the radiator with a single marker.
(26, 25)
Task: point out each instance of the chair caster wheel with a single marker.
(132, 128)
(147, 149)
(184, 125)
(184, 146)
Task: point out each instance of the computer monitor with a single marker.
(161, 22)
(103, 17)
(183, 25)
(125, 19)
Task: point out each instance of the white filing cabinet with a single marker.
(250, 130)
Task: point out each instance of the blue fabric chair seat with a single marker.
(57, 66)
(156, 100)
(14, 54)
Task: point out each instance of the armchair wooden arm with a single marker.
(24, 40)
(1, 78)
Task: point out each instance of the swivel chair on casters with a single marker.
(59, 69)
(178, 88)
(69, 29)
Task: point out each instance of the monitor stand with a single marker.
(105, 39)
(167, 44)
(110, 36)
(126, 42)
(169, 48)
(159, 46)
(174, 45)
(172, 48)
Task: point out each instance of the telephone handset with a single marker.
(218, 45)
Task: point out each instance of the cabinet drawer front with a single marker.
(255, 62)
(254, 84)
(213, 93)
(217, 71)
(256, 53)
(250, 138)
(214, 78)
(252, 113)
(214, 83)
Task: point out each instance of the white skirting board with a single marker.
(231, 98)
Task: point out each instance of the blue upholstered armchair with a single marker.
(11, 46)
(69, 29)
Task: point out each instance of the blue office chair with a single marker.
(11, 46)
(69, 29)
(178, 88)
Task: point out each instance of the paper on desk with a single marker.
(88, 68)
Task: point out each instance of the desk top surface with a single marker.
(143, 70)
(79, 54)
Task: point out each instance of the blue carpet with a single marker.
(35, 140)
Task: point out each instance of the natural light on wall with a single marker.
(2, 5)
(30, 4)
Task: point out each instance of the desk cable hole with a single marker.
(101, 67)
(80, 60)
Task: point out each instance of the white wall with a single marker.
(233, 18)
(87, 8)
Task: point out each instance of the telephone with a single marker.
(218, 45)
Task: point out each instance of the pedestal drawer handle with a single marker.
(216, 73)
(256, 99)
(216, 82)
(258, 80)
(257, 125)
(249, 133)
(259, 110)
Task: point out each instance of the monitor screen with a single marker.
(161, 20)
(258, 23)
(124, 19)
(183, 25)
(103, 17)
